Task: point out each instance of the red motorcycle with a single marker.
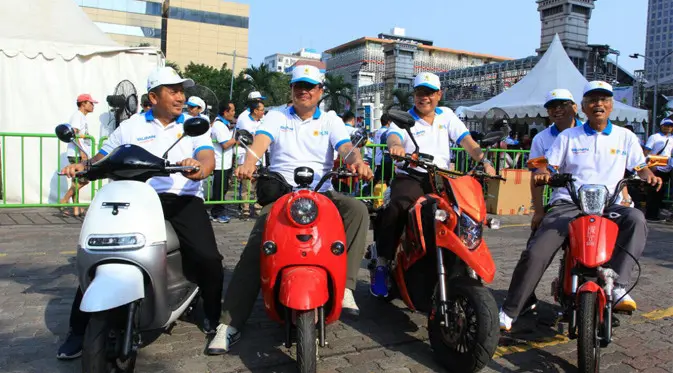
(442, 261)
(584, 286)
(303, 264)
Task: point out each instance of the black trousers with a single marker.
(220, 186)
(389, 226)
(188, 216)
(654, 198)
(384, 171)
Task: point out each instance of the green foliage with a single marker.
(337, 92)
(402, 100)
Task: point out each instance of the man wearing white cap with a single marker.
(298, 136)
(252, 96)
(596, 152)
(660, 143)
(195, 107)
(181, 195)
(435, 129)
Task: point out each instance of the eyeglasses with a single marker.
(305, 85)
(597, 99)
(559, 105)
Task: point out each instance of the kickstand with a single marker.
(169, 330)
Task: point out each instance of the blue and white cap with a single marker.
(598, 86)
(166, 76)
(307, 73)
(666, 122)
(255, 95)
(196, 101)
(558, 94)
(426, 79)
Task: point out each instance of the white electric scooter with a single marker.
(128, 259)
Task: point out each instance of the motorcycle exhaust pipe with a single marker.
(127, 345)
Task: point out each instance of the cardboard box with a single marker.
(511, 197)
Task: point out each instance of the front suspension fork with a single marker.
(441, 270)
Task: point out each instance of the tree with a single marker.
(402, 100)
(337, 92)
(174, 65)
(272, 84)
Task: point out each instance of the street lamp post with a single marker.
(656, 84)
(233, 69)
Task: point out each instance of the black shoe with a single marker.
(71, 348)
(530, 305)
(210, 327)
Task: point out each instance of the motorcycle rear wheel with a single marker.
(588, 342)
(469, 342)
(102, 344)
(306, 342)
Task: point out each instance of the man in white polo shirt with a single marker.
(252, 96)
(195, 108)
(597, 152)
(661, 143)
(298, 136)
(223, 136)
(181, 195)
(248, 123)
(434, 130)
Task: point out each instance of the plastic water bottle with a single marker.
(522, 209)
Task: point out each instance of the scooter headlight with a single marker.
(303, 211)
(469, 231)
(593, 198)
(115, 241)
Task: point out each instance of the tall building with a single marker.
(282, 62)
(659, 38)
(390, 61)
(199, 31)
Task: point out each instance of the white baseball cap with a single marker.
(166, 76)
(307, 73)
(666, 122)
(598, 86)
(426, 79)
(255, 95)
(196, 101)
(558, 95)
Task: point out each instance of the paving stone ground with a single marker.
(37, 283)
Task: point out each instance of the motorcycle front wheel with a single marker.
(307, 350)
(469, 341)
(102, 344)
(588, 341)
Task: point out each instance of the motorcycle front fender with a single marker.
(592, 287)
(303, 288)
(114, 285)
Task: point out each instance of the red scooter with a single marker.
(442, 262)
(584, 286)
(304, 264)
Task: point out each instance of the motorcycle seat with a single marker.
(172, 242)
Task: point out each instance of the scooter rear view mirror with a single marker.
(492, 138)
(401, 118)
(65, 133)
(194, 127)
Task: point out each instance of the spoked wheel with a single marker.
(469, 341)
(102, 345)
(306, 342)
(588, 340)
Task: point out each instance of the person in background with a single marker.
(246, 188)
(195, 108)
(78, 122)
(660, 143)
(224, 152)
(145, 103)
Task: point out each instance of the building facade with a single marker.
(659, 39)
(199, 31)
(283, 63)
(390, 61)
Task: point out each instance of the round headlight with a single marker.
(304, 211)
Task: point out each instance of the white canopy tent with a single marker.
(50, 52)
(554, 70)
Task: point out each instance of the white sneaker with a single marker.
(225, 337)
(348, 304)
(626, 304)
(505, 321)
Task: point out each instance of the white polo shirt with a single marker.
(544, 140)
(147, 132)
(377, 140)
(594, 157)
(660, 144)
(78, 121)
(248, 123)
(434, 139)
(203, 116)
(220, 133)
(296, 142)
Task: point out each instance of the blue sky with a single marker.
(509, 28)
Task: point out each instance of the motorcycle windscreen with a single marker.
(592, 240)
(469, 195)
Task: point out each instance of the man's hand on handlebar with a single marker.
(488, 168)
(397, 151)
(196, 173)
(541, 177)
(363, 171)
(245, 172)
(72, 169)
(655, 181)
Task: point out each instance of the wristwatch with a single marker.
(627, 200)
(486, 161)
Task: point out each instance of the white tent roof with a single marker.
(51, 28)
(554, 70)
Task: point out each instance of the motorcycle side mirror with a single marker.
(492, 138)
(405, 121)
(65, 133)
(194, 127)
(303, 176)
(244, 137)
(539, 162)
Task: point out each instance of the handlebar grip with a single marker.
(175, 169)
